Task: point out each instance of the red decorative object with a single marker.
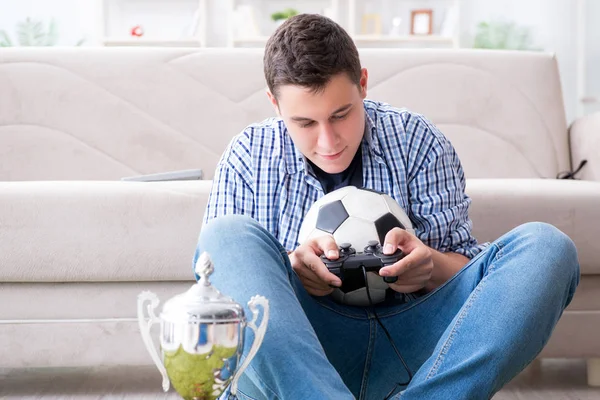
(137, 31)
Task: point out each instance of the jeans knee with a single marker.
(545, 236)
(552, 245)
(237, 236)
(224, 232)
(229, 226)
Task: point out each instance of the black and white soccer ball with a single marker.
(356, 216)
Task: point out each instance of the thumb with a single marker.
(328, 246)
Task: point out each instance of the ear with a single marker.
(364, 77)
(273, 101)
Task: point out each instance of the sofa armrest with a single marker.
(584, 136)
(90, 231)
(499, 205)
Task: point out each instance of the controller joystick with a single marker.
(348, 266)
(346, 248)
(371, 247)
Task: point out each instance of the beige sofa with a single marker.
(77, 244)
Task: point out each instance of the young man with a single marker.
(485, 310)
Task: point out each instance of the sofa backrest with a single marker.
(107, 113)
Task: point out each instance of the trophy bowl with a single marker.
(202, 336)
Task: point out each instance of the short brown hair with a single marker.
(308, 50)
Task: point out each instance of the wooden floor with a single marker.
(554, 380)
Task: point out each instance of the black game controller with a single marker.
(349, 265)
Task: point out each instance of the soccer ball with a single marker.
(355, 216)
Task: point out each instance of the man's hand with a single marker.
(313, 274)
(415, 269)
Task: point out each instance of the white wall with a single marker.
(592, 49)
(553, 24)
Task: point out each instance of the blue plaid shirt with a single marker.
(263, 175)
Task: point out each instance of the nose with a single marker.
(328, 139)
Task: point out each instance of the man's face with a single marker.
(327, 126)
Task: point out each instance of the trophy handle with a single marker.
(259, 334)
(145, 330)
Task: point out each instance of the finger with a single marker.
(318, 291)
(419, 281)
(306, 263)
(407, 288)
(316, 287)
(394, 239)
(415, 280)
(414, 277)
(326, 245)
(314, 263)
(414, 274)
(306, 275)
(409, 262)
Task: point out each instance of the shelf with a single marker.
(367, 38)
(255, 39)
(404, 38)
(191, 42)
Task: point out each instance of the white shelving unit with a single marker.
(166, 23)
(351, 14)
(247, 23)
(445, 23)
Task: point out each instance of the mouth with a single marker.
(331, 157)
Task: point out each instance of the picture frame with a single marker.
(371, 24)
(421, 22)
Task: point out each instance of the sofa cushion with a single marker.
(499, 205)
(138, 231)
(99, 231)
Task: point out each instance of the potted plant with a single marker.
(280, 16)
(32, 32)
(503, 35)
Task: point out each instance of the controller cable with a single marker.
(410, 375)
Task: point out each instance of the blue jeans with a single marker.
(463, 340)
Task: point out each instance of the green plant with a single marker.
(503, 35)
(5, 39)
(32, 32)
(285, 14)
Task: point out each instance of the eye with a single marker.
(307, 124)
(339, 117)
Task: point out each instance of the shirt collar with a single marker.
(295, 161)
(371, 136)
